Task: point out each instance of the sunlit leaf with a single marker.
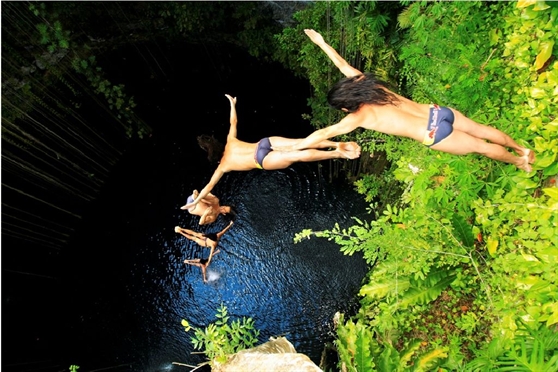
(537, 92)
(491, 246)
(545, 51)
(525, 3)
(545, 161)
(526, 184)
(541, 5)
(553, 318)
(552, 192)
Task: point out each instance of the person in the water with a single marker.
(208, 208)
(209, 240)
(244, 156)
(371, 105)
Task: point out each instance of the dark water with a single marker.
(139, 290)
(124, 288)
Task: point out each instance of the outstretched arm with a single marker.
(207, 189)
(342, 65)
(233, 118)
(221, 233)
(346, 125)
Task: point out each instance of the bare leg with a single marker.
(191, 235)
(288, 142)
(491, 134)
(197, 262)
(283, 159)
(461, 143)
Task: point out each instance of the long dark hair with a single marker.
(352, 92)
(214, 148)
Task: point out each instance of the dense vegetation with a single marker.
(463, 249)
(68, 115)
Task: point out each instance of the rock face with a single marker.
(276, 355)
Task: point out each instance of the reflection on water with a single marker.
(288, 289)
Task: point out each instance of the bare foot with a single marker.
(524, 163)
(349, 150)
(529, 155)
(176, 229)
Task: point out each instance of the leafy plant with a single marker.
(466, 243)
(360, 350)
(223, 338)
(535, 349)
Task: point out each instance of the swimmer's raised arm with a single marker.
(345, 68)
(233, 117)
(222, 232)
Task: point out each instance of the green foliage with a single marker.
(52, 34)
(462, 248)
(535, 349)
(223, 338)
(361, 350)
(73, 368)
(249, 25)
(359, 30)
(43, 75)
(114, 95)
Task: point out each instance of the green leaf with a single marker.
(525, 3)
(463, 230)
(428, 361)
(491, 246)
(526, 184)
(377, 290)
(551, 170)
(363, 360)
(545, 51)
(388, 360)
(425, 295)
(552, 192)
(408, 352)
(546, 160)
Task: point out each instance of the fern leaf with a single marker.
(388, 360)
(424, 295)
(433, 278)
(405, 17)
(463, 230)
(363, 361)
(382, 289)
(346, 343)
(407, 353)
(527, 359)
(428, 361)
